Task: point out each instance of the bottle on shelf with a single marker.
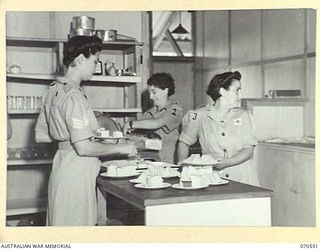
(112, 70)
(98, 70)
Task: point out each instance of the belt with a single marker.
(65, 145)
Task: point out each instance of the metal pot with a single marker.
(83, 22)
(110, 35)
(81, 32)
(100, 34)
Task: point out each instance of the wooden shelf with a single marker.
(23, 111)
(118, 110)
(124, 79)
(50, 77)
(26, 206)
(110, 110)
(29, 162)
(95, 78)
(120, 44)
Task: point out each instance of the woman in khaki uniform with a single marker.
(66, 117)
(164, 117)
(224, 130)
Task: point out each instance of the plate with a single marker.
(199, 164)
(177, 186)
(174, 174)
(119, 176)
(119, 163)
(222, 182)
(134, 181)
(108, 137)
(164, 185)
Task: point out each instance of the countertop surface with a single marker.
(142, 198)
(307, 147)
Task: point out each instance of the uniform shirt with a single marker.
(223, 138)
(191, 124)
(65, 115)
(171, 115)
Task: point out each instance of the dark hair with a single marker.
(223, 80)
(86, 45)
(162, 80)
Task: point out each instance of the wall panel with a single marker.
(283, 32)
(28, 24)
(284, 75)
(309, 115)
(245, 36)
(311, 30)
(215, 38)
(251, 86)
(182, 74)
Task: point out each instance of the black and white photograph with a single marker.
(161, 118)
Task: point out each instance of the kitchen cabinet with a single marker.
(127, 54)
(290, 172)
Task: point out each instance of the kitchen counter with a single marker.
(233, 204)
(306, 147)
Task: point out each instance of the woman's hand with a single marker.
(223, 163)
(126, 128)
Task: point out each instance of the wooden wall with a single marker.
(182, 73)
(273, 49)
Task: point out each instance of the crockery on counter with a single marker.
(197, 160)
(178, 186)
(103, 133)
(123, 176)
(114, 171)
(143, 186)
(215, 179)
(151, 182)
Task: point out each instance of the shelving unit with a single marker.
(28, 162)
(127, 49)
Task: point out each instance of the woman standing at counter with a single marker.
(224, 130)
(66, 117)
(164, 117)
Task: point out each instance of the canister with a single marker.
(110, 35)
(83, 22)
(81, 32)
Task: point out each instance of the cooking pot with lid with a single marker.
(81, 32)
(83, 22)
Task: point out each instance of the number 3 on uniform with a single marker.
(195, 116)
(174, 112)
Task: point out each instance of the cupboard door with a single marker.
(283, 202)
(305, 188)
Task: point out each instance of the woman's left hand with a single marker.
(223, 163)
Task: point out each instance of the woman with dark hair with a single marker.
(65, 117)
(164, 117)
(224, 130)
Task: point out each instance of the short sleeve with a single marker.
(248, 130)
(42, 123)
(147, 115)
(190, 127)
(76, 116)
(172, 118)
